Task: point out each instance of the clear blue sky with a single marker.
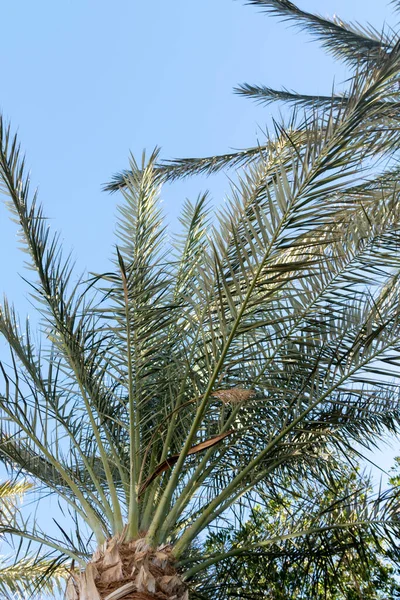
(87, 81)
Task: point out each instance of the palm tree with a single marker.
(193, 378)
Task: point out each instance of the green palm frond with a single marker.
(171, 170)
(265, 95)
(384, 118)
(354, 44)
(191, 243)
(253, 268)
(395, 3)
(75, 342)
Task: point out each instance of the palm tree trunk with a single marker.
(128, 571)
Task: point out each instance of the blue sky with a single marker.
(87, 81)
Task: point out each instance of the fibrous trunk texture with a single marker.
(130, 571)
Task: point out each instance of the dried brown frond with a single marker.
(234, 395)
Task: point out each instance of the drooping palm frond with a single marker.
(265, 95)
(171, 170)
(355, 44)
(76, 351)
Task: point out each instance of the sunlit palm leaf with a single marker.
(31, 575)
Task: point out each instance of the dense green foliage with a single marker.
(341, 565)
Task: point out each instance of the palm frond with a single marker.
(190, 245)
(257, 269)
(72, 336)
(171, 170)
(32, 575)
(352, 43)
(178, 168)
(265, 95)
(395, 4)
(354, 513)
(10, 490)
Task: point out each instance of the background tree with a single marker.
(338, 564)
(195, 378)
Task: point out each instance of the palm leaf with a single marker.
(30, 575)
(265, 95)
(352, 43)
